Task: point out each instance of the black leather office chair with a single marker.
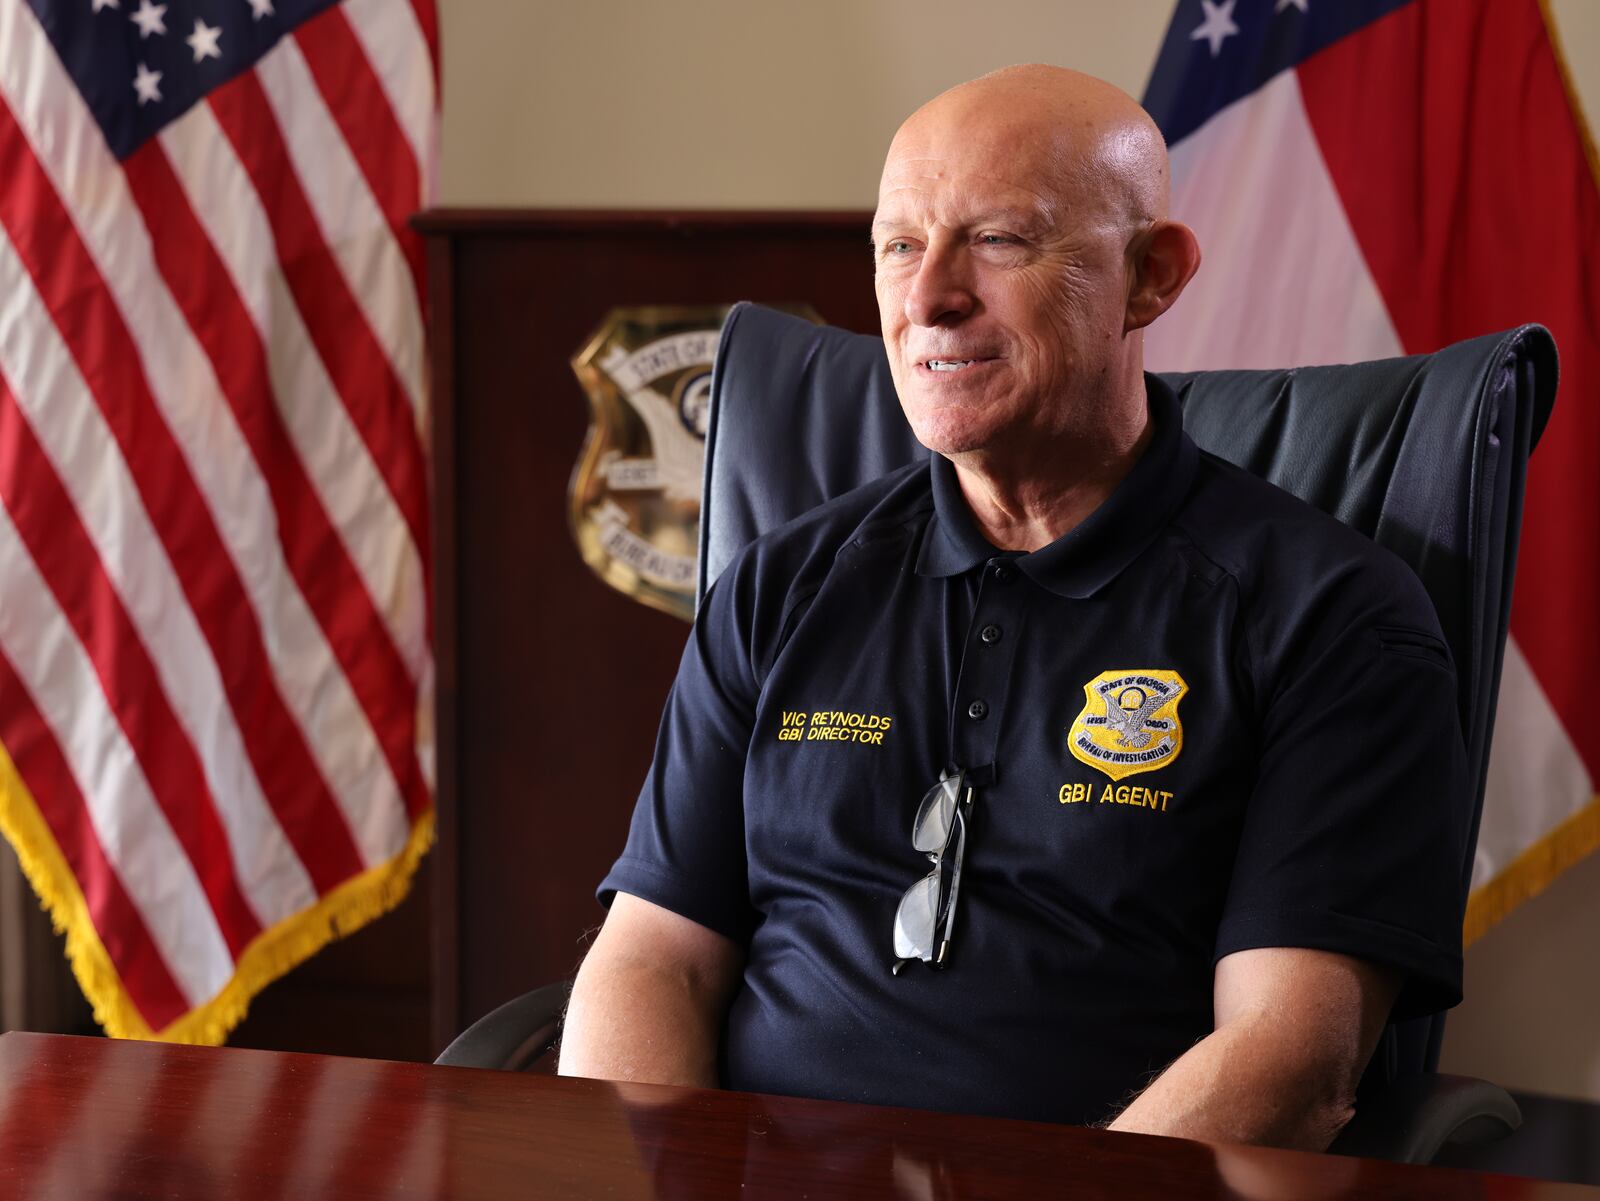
(1426, 455)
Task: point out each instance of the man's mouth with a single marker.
(951, 365)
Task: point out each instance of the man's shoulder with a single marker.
(794, 558)
(1289, 558)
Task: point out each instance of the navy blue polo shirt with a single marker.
(1209, 718)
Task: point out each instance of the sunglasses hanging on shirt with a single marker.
(925, 919)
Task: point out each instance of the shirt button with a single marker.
(977, 710)
(1002, 574)
(990, 633)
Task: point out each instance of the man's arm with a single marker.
(649, 999)
(1294, 1031)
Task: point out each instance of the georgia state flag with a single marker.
(1371, 178)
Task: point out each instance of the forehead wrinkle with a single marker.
(957, 194)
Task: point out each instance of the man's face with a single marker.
(1001, 282)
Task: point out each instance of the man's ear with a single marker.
(1164, 259)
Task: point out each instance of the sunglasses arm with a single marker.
(955, 877)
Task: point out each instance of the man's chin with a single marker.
(948, 447)
(953, 417)
(948, 434)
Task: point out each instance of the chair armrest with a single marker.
(1411, 1118)
(513, 1037)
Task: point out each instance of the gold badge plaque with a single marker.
(635, 494)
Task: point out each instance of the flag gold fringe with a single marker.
(274, 952)
(292, 941)
(1531, 872)
(46, 869)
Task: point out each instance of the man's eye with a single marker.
(899, 246)
(995, 239)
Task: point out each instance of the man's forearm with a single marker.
(1249, 1082)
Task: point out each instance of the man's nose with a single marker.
(941, 292)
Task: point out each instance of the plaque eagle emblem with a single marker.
(1129, 722)
(634, 501)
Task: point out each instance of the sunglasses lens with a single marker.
(931, 829)
(917, 919)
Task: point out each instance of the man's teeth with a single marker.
(949, 364)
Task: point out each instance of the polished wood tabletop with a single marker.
(87, 1119)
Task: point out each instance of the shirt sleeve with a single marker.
(685, 848)
(1354, 837)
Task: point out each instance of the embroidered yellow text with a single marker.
(1121, 794)
(833, 725)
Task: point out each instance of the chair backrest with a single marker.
(1426, 455)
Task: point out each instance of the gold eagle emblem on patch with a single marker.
(1129, 721)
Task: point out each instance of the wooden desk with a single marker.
(86, 1119)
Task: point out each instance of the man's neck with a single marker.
(1025, 498)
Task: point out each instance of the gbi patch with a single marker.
(1129, 721)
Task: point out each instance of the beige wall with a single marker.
(753, 103)
(731, 103)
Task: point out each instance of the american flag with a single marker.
(1371, 178)
(215, 673)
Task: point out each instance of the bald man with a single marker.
(1085, 726)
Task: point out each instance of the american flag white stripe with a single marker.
(64, 418)
(400, 58)
(132, 830)
(247, 507)
(341, 468)
(365, 381)
(1532, 757)
(183, 380)
(367, 122)
(350, 220)
(1250, 183)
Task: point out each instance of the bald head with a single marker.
(1084, 140)
(1022, 245)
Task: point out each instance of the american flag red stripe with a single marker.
(50, 530)
(214, 662)
(401, 53)
(39, 759)
(366, 380)
(368, 124)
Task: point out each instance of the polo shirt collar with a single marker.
(1093, 553)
